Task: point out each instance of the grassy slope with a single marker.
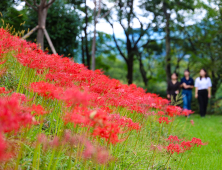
(209, 129)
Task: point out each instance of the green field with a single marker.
(209, 129)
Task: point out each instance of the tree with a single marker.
(42, 10)
(125, 11)
(164, 10)
(63, 28)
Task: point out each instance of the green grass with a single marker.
(209, 129)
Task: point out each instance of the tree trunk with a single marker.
(167, 43)
(88, 57)
(94, 40)
(130, 69)
(94, 47)
(143, 72)
(83, 51)
(215, 81)
(42, 14)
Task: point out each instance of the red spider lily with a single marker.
(3, 149)
(46, 90)
(21, 97)
(186, 145)
(73, 96)
(174, 148)
(13, 116)
(186, 112)
(164, 119)
(3, 91)
(110, 132)
(37, 110)
(173, 110)
(192, 122)
(197, 141)
(124, 122)
(62, 72)
(160, 113)
(173, 139)
(98, 120)
(96, 153)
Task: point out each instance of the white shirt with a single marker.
(204, 83)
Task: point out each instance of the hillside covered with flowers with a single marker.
(57, 114)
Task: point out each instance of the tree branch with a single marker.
(36, 4)
(49, 4)
(117, 46)
(31, 6)
(142, 31)
(107, 13)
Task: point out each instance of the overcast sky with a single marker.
(105, 27)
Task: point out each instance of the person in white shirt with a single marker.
(203, 91)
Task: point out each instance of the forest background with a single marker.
(136, 41)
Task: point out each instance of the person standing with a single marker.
(187, 84)
(173, 87)
(203, 91)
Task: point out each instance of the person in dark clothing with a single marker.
(187, 84)
(203, 91)
(173, 87)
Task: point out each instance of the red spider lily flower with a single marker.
(164, 119)
(21, 97)
(173, 110)
(174, 148)
(37, 110)
(3, 91)
(173, 139)
(197, 141)
(109, 132)
(89, 150)
(2, 62)
(79, 115)
(186, 145)
(3, 149)
(12, 115)
(186, 112)
(46, 90)
(74, 96)
(102, 156)
(124, 122)
(192, 122)
(160, 113)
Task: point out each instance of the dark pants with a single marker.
(187, 97)
(203, 100)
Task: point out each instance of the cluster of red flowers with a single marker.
(179, 146)
(88, 94)
(106, 126)
(62, 72)
(15, 114)
(164, 119)
(177, 111)
(93, 152)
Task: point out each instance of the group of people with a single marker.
(202, 86)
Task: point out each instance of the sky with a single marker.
(105, 27)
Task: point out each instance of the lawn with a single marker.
(209, 129)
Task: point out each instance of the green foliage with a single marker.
(13, 17)
(62, 25)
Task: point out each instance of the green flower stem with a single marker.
(187, 158)
(180, 160)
